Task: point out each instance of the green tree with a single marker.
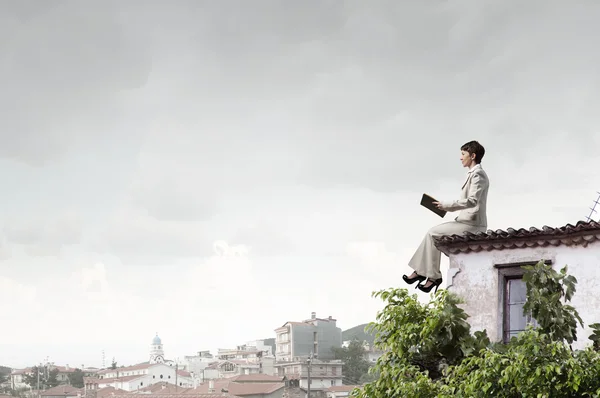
(31, 378)
(356, 366)
(48, 378)
(431, 352)
(113, 365)
(76, 378)
(52, 379)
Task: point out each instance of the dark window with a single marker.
(512, 296)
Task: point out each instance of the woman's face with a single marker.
(467, 159)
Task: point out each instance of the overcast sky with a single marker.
(211, 170)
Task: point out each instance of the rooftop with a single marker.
(581, 234)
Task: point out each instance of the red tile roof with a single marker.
(63, 391)
(195, 395)
(21, 371)
(341, 388)
(238, 389)
(163, 387)
(109, 392)
(139, 366)
(581, 233)
(256, 378)
(118, 379)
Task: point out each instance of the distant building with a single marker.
(62, 391)
(198, 364)
(324, 374)
(339, 391)
(316, 336)
(142, 375)
(228, 368)
(17, 375)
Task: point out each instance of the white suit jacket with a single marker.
(473, 199)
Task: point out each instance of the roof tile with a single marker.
(582, 233)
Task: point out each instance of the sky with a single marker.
(209, 171)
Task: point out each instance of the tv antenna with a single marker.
(593, 208)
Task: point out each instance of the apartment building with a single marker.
(316, 336)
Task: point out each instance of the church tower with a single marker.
(157, 354)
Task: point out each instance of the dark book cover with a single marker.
(427, 202)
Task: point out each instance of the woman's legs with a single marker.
(426, 260)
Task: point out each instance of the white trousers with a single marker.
(426, 260)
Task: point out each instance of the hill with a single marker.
(358, 332)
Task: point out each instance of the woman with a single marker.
(472, 218)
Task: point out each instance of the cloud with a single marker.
(62, 90)
(131, 234)
(44, 235)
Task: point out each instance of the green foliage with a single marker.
(48, 378)
(431, 352)
(545, 290)
(31, 378)
(356, 366)
(113, 365)
(52, 379)
(595, 336)
(76, 378)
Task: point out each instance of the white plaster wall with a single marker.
(477, 282)
(320, 384)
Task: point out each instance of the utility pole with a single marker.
(176, 370)
(38, 380)
(309, 362)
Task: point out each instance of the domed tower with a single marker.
(157, 354)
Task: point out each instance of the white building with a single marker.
(198, 364)
(485, 270)
(323, 374)
(17, 376)
(339, 391)
(136, 377)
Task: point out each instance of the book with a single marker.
(427, 202)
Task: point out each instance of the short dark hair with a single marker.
(474, 147)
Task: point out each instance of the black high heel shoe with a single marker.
(435, 283)
(410, 281)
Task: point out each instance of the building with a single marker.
(485, 270)
(157, 353)
(316, 336)
(142, 375)
(339, 391)
(17, 376)
(323, 374)
(198, 365)
(255, 386)
(62, 391)
(235, 367)
(136, 377)
(252, 350)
